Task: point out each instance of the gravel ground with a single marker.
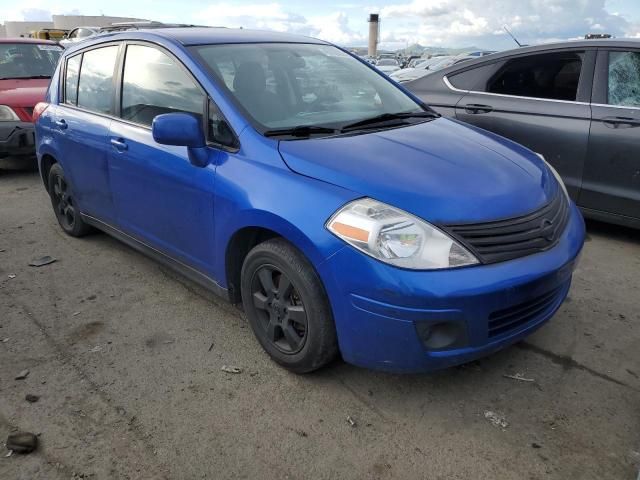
(126, 358)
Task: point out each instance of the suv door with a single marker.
(82, 120)
(612, 172)
(161, 199)
(540, 100)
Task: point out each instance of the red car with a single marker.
(26, 67)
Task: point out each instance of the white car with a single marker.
(78, 35)
(387, 65)
(420, 70)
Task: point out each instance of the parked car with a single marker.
(411, 58)
(55, 34)
(577, 103)
(79, 34)
(388, 65)
(420, 70)
(26, 66)
(284, 173)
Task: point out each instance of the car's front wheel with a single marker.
(64, 203)
(287, 307)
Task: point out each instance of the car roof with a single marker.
(600, 42)
(207, 35)
(27, 40)
(542, 48)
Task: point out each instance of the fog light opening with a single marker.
(443, 335)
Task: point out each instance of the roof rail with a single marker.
(146, 24)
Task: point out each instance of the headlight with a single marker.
(7, 114)
(397, 237)
(555, 174)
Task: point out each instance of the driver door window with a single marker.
(153, 84)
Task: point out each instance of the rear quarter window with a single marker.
(474, 79)
(72, 74)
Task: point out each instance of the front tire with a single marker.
(287, 307)
(64, 204)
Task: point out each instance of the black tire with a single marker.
(64, 205)
(299, 344)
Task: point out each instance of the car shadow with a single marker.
(611, 231)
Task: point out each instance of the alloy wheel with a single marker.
(63, 203)
(280, 309)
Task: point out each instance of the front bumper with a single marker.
(17, 142)
(382, 312)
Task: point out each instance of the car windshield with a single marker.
(290, 85)
(386, 62)
(28, 60)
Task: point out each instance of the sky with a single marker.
(438, 23)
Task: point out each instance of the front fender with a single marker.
(268, 196)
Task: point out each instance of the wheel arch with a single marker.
(46, 162)
(263, 226)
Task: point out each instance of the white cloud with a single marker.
(333, 27)
(465, 22)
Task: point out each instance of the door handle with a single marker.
(474, 108)
(617, 122)
(119, 144)
(61, 124)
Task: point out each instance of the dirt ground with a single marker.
(126, 358)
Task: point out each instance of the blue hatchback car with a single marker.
(285, 173)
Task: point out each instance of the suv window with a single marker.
(95, 88)
(550, 75)
(154, 84)
(624, 79)
(71, 80)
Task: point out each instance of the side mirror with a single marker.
(182, 130)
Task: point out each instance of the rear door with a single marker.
(540, 100)
(82, 122)
(612, 172)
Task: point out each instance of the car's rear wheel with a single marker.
(64, 204)
(287, 307)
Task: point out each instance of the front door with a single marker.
(160, 198)
(537, 101)
(612, 172)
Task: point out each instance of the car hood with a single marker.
(442, 170)
(387, 69)
(23, 92)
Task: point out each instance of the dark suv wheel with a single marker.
(287, 307)
(64, 204)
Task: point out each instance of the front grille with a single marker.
(503, 240)
(508, 319)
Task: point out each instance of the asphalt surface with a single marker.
(126, 358)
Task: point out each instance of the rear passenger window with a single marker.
(71, 80)
(624, 79)
(154, 84)
(95, 89)
(552, 75)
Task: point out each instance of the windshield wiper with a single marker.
(299, 131)
(386, 117)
